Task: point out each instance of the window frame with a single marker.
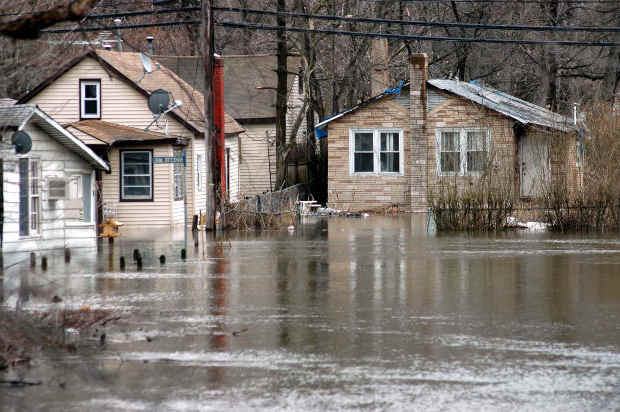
(83, 98)
(376, 144)
(200, 173)
(462, 140)
(33, 216)
(122, 175)
(178, 176)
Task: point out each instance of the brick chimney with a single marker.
(418, 66)
(380, 73)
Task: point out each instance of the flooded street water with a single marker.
(341, 314)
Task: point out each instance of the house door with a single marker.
(535, 169)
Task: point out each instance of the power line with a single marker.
(423, 23)
(340, 32)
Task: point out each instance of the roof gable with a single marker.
(18, 116)
(128, 67)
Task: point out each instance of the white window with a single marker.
(462, 151)
(200, 180)
(378, 151)
(178, 175)
(90, 99)
(136, 175)
(29, 196)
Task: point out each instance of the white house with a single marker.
(49, 192)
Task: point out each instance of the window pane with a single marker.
(476, 161)
(90, 91)
(476, 141)
(389, 142)
(137, 180)
(363, 142)
(136, 157)
(390, 162)
(363, 162)
(449, 141)
(450, 161)
(137, 192)
(90, 107)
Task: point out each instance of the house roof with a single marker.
(128, 66)
(18, 116)
(113, 133)
(4, 102)
(510, 106)
(249, 81)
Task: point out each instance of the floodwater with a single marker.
(338, 315)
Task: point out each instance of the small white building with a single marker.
(49, 193)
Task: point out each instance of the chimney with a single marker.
(380, 73)
(418, 66)
(149, 41)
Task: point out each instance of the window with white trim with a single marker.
(136, 175)
(29, 196)
(178, 175)
(376, 151)
(200, 180)
(462, 151)
(90, 99)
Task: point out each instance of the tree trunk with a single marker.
(281, 101)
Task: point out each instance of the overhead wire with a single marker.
(233, 24)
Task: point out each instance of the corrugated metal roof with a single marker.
(513, 107)
(520, 110)
(20, 115)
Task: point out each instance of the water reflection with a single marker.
(350, 314)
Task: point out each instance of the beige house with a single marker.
(49, 189)
(398, 147)
(250, 98)
(102, 98)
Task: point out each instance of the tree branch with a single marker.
(30, 26)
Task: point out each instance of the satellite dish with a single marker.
(147, 65)
(159, 101)
(22, 142)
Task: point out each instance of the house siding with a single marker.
(122, 104)
(254, 162)
(60, 225)
(366, 192)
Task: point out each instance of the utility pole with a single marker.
(281, 92)
(207, 35)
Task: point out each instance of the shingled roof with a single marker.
(128, 66)
(249, 82)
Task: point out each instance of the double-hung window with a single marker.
(200, 172)
(90, 99)
(29, 196)
(178, 175)
(136, 175)
(462, 151)
(378, 151)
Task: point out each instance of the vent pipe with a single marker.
(149, 41)
(118, 34)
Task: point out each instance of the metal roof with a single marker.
(513, 107)
(18, 116)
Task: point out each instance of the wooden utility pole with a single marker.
(207, 35)
(281, 100)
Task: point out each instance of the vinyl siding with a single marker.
(59, 224)
(253, 163)
(124, 105)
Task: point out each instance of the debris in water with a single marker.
(239, 332)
